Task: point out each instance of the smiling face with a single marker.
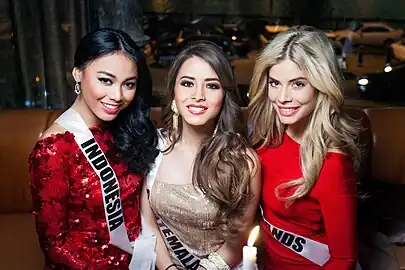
(198, 93)
(291, 93)
(108, 85)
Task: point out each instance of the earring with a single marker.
(217, 125)
(215, 130)
(77, 89)
(175, 116)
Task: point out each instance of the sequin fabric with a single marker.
(190, 216)
(68, 204)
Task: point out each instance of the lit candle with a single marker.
(250, 251)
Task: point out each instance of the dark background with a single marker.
(38, 37)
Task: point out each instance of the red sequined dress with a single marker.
(68, 204)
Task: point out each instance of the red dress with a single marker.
(68, 204)
(327, 214)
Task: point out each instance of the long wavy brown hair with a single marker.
(329, 127)
(222, 166)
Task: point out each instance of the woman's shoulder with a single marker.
(262, 149)
(55, 141)
(335, 161)
(55, 135)
(336, 151)
(336, 158)
(55, 130)
(337, 171)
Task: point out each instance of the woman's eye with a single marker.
(273, 83)
(186, 83)
(105, 81)
(213, 86)
(298, 84)
(130, 85)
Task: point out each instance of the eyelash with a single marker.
(131, 85)
(106, 81)
(213, 86)
(209, 86)
(274, 82)
(186, 83)
(296, 84)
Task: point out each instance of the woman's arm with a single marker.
(163, 259)
(231, 252)
(49, 184)
(337, 194)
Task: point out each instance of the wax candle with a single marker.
(250, 251)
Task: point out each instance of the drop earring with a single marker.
(77, 88)
(215, 130)
(217, 125)
(175, 116)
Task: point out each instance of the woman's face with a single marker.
(291, 93)
(198, 93)
(108, 85)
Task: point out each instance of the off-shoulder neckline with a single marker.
(60, 135)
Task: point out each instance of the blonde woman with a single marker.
(308, 152)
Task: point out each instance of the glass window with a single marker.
(375, 30)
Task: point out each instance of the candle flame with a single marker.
(253, 235)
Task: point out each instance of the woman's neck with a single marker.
(296, 132)
(192, 136)
(85, 112)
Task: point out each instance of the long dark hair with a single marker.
(134, 133)
(221, 168)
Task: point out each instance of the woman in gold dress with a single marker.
(202, 194)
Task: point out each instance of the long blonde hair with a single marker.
(329, 128)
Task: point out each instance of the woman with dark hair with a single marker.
(204, 187)
(85, 191)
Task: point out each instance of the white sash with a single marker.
(188, 260)
(150, 179)
(143, 249)
(312, 250)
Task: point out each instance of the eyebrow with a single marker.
(107, 73)
(113, 76)
(192, 78)
(292, 80)
(211, 79)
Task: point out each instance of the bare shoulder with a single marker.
(55, 143)
(54, 129)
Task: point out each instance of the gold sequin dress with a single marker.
(189, 215)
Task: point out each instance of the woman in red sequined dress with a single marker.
(112, 86)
